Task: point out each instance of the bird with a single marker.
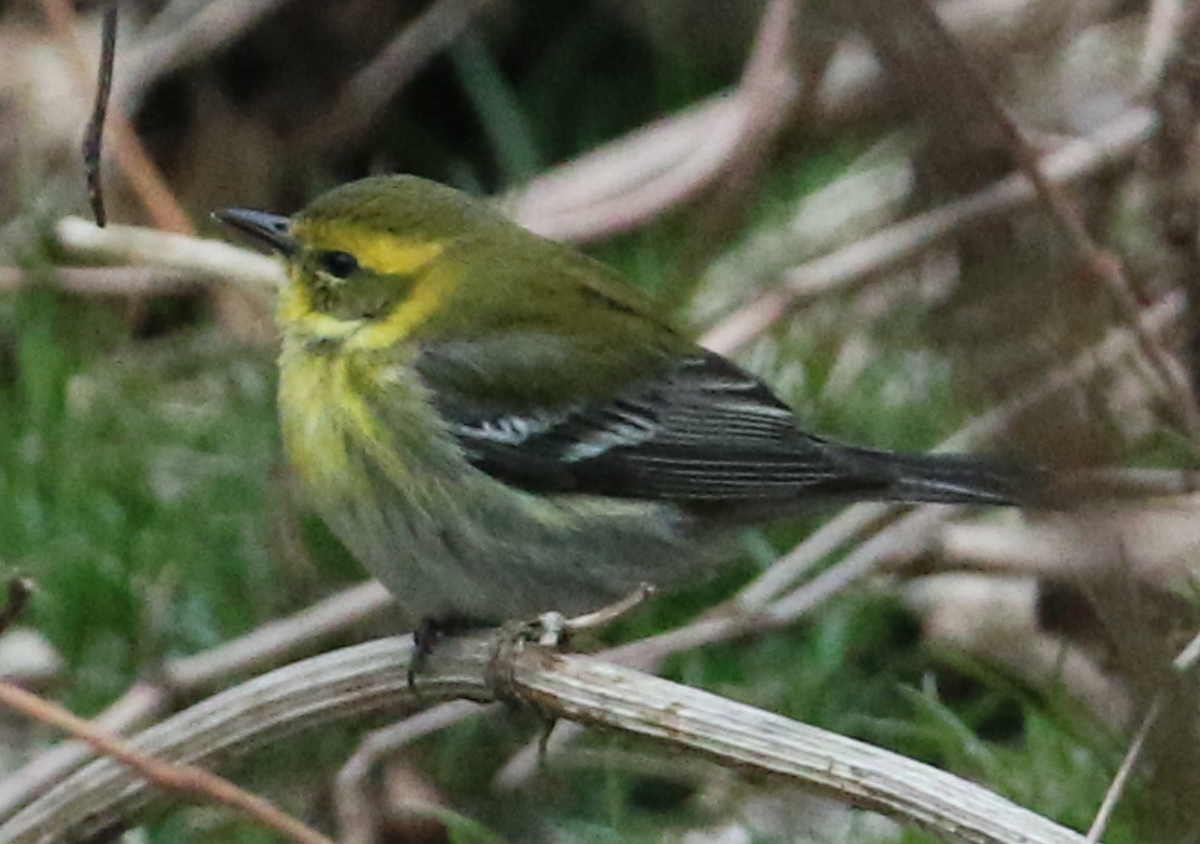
(497, 425)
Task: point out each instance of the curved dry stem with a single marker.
(371, 679)
(260, 274)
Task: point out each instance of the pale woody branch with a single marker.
(136, 245)
(370, 679)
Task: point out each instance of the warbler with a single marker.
(496, 425)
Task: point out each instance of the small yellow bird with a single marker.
(497, 426)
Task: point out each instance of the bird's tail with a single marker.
(948, 479)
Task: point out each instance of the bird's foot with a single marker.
(554, 630)
(428, 633)
(551, 629)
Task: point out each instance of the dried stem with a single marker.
(187, 780)
(131, 157)
(372, 678)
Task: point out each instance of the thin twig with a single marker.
(185, 779)
(187, 676)
(1185, 660)
(140, 706)
(1188, 657)
(93, 139)
(131, 157)
(1117, 787)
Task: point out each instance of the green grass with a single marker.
(136, 479)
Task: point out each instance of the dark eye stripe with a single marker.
(338, 264)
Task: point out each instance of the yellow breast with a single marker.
(326, 421)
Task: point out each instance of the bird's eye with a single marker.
(338, 264)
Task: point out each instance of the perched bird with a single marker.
(497, 426)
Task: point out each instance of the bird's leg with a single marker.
(428, 633)
(554, 630)
(551, 629)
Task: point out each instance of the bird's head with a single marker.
(370, 254)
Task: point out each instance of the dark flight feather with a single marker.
(708, 433)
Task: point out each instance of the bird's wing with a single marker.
(703, 431)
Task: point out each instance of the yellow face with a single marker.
(362, 289)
